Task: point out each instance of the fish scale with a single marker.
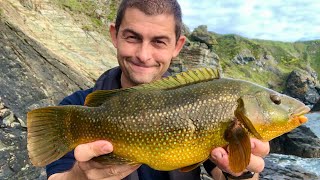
(169, 126)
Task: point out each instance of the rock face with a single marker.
(15, 163)
(201, 34)
(194, 55)
(31, 76)
(273, 170)
(316, 107)
(303, 85)
(67, 37)
(44, 56)
(301, 142)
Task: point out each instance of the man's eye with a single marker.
(132, 38)
(160, 43)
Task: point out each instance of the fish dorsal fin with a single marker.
(98, 97)
(182, 79)
(194, 76)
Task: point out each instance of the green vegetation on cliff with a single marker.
(265, 62)
(99, 13)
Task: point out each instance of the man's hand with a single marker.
(259, 150)
(85, 168)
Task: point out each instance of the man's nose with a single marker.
(144, 52)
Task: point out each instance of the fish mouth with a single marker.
(298, 114)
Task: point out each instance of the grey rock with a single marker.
(9, 119)
(15, 163)
(301, 142)
(316, 107)
(244, 57)
(302, 85)
(30, 75)
(274, 171)
(194, 56)
(201, 34)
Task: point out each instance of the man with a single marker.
(147, 35)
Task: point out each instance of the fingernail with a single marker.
(253, 145)
(216, 155)
(107, 148)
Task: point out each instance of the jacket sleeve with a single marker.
(66, 162)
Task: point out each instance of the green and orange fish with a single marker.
(172, 123)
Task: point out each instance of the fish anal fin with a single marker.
(113, 159)
(239, 147)
(191, 167)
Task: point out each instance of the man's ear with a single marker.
(113, 34)
(179, 45)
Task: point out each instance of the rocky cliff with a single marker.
(44, 56)
(49, 49)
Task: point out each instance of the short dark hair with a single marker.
(152, 7)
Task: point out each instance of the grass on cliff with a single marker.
(286, 57)
(89, 9)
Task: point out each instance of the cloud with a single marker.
(283, 20)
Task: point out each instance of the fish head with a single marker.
(268, 114)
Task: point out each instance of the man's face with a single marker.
(145, 46)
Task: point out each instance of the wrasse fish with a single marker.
(172, 123)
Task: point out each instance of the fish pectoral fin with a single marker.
(113, 159)
(191, 167)
(239, 147)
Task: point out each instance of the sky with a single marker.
(279, 20)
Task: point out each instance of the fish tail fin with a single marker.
(47, 135)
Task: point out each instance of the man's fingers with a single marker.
(85, 152)
(259, 148)
(256, 164)
(111, 172)
(220, 157)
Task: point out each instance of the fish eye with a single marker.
(275, 98)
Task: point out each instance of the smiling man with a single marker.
(145, 46)
(147, 35)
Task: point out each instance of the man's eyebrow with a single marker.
(132, 32)
(140, 36)
(162, 37)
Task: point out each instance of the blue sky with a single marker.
(281, 20)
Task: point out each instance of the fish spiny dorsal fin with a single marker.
(182, 79)
(194, 76)
(98, 97)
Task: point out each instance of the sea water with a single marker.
(314, 123)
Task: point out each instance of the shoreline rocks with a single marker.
(303, 85)
(301, 142)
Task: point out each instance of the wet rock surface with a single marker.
(275, 169)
